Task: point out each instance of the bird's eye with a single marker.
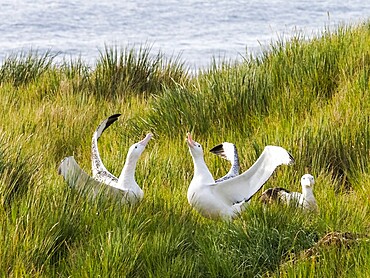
(198, 146)
(135, 147)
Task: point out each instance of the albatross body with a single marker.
(222, 200)
(124, 185)
(306, 200)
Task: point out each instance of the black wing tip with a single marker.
(115, 116)
(217, 149)
(111, 120)
(292, 160)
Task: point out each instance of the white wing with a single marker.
(99, 172)
(244, 186)
(74, 175)
(78, 179)
(229, 152)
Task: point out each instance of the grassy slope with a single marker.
(311, 97)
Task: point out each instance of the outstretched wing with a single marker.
(79, 180)
(99, 172)
(229, 152)
(244, 186)
(73, 174)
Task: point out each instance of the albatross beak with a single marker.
(189, 140)
(147, 138)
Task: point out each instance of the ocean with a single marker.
(198, 31)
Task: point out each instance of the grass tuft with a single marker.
(23, 68)
(129, 72)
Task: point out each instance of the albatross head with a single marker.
(307, 181)
(195, 148)
(136, 149)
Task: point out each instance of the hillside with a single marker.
(310, 96)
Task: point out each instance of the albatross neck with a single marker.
(307, 192)
(201, 170)
(128, 171)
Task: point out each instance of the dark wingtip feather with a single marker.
(104, 125)
(217, 149)
(111, 120)
(292, 161)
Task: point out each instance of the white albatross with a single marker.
(125, 186)
(222, 200)
(306, 200)
(229, 152)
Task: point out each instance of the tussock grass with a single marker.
(23, 68)
(17, 171)
(308, 96)
(135, 72)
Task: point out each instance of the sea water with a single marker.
(196, 30)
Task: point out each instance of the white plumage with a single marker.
(305, 200)
(223, 199)
(124, 185)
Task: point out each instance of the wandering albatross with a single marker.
(222, 200)
(306, 200)
(124, 186)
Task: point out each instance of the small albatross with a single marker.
(306, 200)
(223, 200)
(124, 186)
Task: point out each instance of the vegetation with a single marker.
(310, 96)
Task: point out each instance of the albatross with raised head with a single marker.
(222, 200)
(125, 185)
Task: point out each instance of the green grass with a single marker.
(310, 96)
